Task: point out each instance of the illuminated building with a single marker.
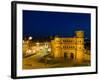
(71, 48)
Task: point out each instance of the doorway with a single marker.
(71, 56)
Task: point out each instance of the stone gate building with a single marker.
(69, 47)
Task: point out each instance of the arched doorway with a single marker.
(71, 56)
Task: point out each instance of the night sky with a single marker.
(43, 23)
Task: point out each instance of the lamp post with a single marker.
(29, 39)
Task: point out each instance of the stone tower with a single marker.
(79, 46)
(56, 47)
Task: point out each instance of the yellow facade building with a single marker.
(71, 48)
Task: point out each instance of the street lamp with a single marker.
(30, 41)
(30, 38)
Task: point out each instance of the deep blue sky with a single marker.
(42, 23)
